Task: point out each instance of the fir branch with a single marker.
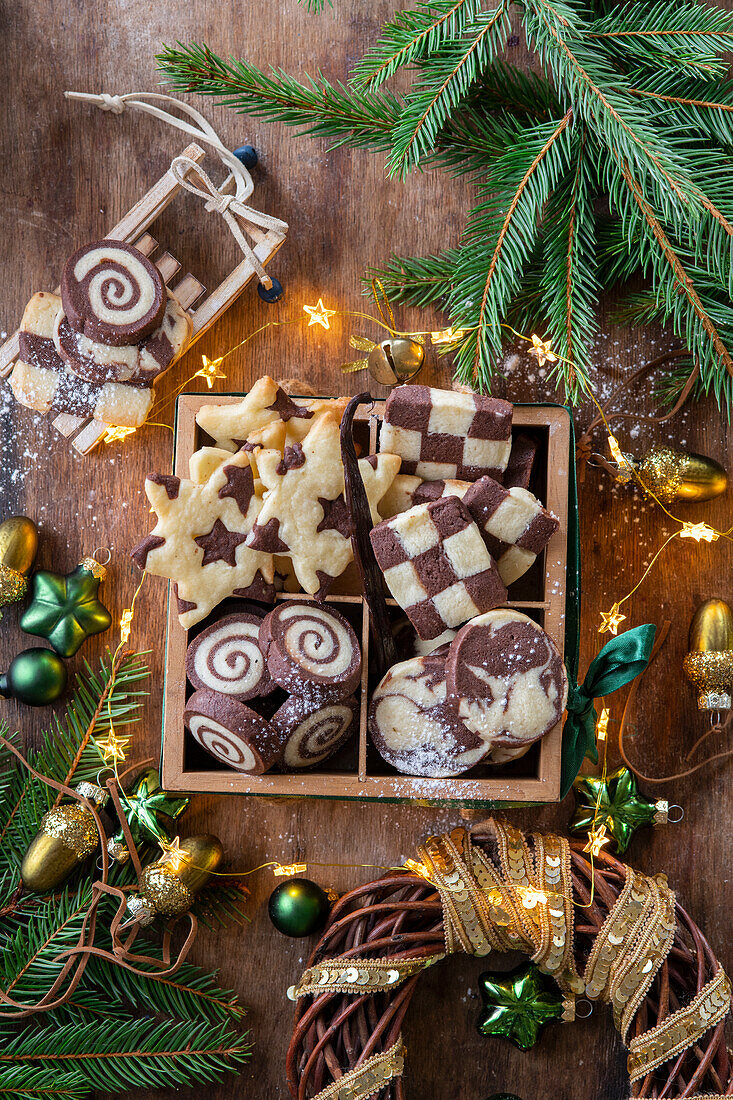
(501, 229)
(684, 35)
(336, 111)
(418, 281)
(28, 1082)
(412, 35)
(443, 86)
(134, 1053)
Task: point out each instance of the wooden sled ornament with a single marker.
(203, 309)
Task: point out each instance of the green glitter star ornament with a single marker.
(150, 813)
(616, 803)
(65, 610)
(519, 1004)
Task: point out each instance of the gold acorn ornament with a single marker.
(709, 661)
(68, 834)
(18, 545)
(672, 475)
(168, 886)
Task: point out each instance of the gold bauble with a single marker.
(169, 885)
(18, 545)
(396, 360)
(709, 661)
(68, 834)
(680, 475)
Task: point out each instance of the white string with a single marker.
(218, 199)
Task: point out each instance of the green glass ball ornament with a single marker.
(18, 545)
(298, 907)
(65, 610)
(36, 677)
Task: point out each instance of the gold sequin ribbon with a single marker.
(369, 1078)
(682, 1029)
(358, 975)
(631, 947)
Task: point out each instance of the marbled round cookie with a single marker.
(314, 731)
(507, 677)
(112, 293)
(226, 657)
(233, 733)
(311, 650)
(415, 725)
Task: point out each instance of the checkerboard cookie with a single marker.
(513, 523)
(507, 679)
(441, 434)
(414, 725)
(199, 539)
(521, 462)
(304, 515)
(266, 417)
(436, 565)
(407, 490)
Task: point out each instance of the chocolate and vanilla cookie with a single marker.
(311, 650)
(112, 293)
(513, 523)
(521, 462)
(436, 565)
(226, 657)
(507, 678)
(415, 726)
(233, 733)
(407, 490)
(314, 731)
(444, 434)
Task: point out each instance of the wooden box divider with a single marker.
(533, 778)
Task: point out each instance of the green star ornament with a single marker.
(65, 610)
(616, 803)
(519, 1004)
(150, 813)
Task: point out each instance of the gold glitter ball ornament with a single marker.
(18, 545)
(169, 886)
(673, 475)
(68, 834)
(709, 661)
(13, 585)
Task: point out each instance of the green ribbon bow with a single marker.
(618, 663)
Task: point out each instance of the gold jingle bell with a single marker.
(395, 360)
(18, 545)
(709, 662)
(168, 886)
(680, 475)
(68, 834)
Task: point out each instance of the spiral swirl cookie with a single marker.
(311, 651)
(508, 678)
(226, 657)
(314, 731)
(233, 733)
(112, 293)
(415, 726)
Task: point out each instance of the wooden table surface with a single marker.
(70, 172)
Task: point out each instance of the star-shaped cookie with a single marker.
(304, 515)
(266, 417)
(198, 542)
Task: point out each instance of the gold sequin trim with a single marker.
(358, 976)
(682, 1029)
(466, 921)
(370, 1078)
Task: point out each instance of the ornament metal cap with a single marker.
(94, 567)
(139, 910)
(117, 851)
(92, 792)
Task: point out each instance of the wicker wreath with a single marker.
(600, 929)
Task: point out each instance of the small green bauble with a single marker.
(298, 907)
(65, 610)
(36, 677)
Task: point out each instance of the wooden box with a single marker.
(357, 771)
